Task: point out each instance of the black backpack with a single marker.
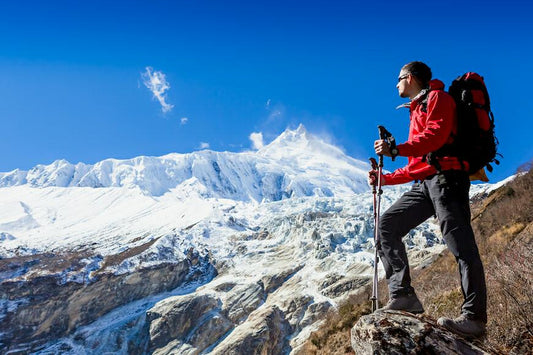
(475, 141)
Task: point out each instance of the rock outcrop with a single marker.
(41, 308)
(396, 332)
(196, 322)
(265, 332)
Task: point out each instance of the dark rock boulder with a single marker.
(395, 332)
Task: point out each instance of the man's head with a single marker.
(413, 77)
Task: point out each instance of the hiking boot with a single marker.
(464, 326)
(408, 303)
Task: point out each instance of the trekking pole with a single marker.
(374, 297)
(387, 136)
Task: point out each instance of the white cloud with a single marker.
(267, 105)
(157, 83)
(184, 120)
(204, 145)
(257, 140)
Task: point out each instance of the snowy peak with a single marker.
(292, 137)
(299, 143)
(290, 142)
(301, 149)
(295, 164)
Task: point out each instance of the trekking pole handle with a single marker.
(388, 137)
(383, 133)
(373, 163)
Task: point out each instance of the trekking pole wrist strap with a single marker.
(394, 152)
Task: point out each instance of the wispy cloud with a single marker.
(275, 114)
(204, 145)
(157, 83)
(257, 140)
(184, 120)
(276, 111)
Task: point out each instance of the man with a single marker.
(442, 192)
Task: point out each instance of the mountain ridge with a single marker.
(290, 166)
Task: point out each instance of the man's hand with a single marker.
(382, 148)
(372, 178)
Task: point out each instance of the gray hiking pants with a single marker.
(446, 196)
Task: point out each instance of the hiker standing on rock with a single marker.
(443, 192)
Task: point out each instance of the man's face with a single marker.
(403, 86)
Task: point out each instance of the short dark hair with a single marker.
(420, 70)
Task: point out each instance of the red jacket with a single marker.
(428, 131)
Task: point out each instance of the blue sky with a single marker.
(72, 73)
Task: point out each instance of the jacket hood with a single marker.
(436, 84)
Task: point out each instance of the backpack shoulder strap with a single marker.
(447, 149)
(424, 100)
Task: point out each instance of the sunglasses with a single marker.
(403, 77)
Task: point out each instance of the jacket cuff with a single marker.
(403, 150)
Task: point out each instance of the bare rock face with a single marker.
(192, 324)
(59, 309)
(242, 300)
(395, 332)
(265, 332)
(49, 308)
(197, 321)
(177, 317)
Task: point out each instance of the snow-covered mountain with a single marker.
(293, 165)
(208, 252)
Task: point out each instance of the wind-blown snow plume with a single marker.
(257, 140)
(157, 83)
